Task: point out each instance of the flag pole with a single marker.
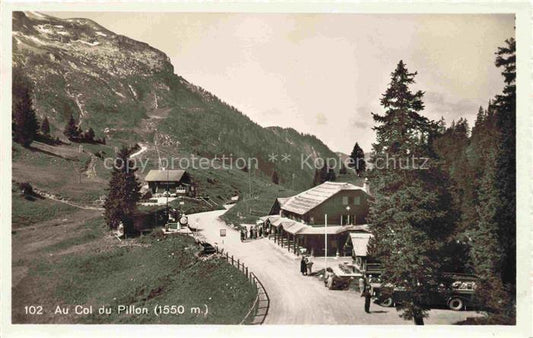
(325, 242)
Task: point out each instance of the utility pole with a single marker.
(168, 193)
(292, 183)
(250, 187)
(325, 241)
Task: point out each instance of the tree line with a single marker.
(458, 215)
(25, 126)
(74, 133)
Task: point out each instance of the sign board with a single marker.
(174, 226)
(222, 232)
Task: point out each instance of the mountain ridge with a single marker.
(128, 91)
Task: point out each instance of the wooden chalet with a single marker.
(176, 182)
(299, 222)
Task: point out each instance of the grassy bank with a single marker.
(61, 170)
(25, 213)
(88, 267)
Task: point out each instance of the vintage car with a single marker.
(340, 276)
(207, 249)
(456, 291)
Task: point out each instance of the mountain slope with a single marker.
(128, 90)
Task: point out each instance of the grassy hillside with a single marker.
(71, 260)
(25, 213)
(61, 170)
(248, 210)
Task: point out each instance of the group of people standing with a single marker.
(254, 232)
(306, 265)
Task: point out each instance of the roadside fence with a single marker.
(257, 313)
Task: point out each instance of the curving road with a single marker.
(297, 299)
(140, 151)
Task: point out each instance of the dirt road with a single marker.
(140, 151)
(297, 299)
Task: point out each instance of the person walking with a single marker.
(303, 266)
(368, 296)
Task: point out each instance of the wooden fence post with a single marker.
(232, 261)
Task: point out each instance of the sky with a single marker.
(323, 74)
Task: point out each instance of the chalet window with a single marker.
(357, 200)
(345, 200)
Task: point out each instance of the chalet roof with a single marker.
(331, 230)
(269, 217)
(359, 227)
(295, 227)
(164, 175)
(360, 243)
(304, 202)
(283, 200)
(277, 221)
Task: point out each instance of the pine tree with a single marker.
(505, 106)
(331, 177)
(24, 121)
(491, 214)
(480, 117)
(343, 170)
(124, 193)
(452, 148)
(45, 127)
(410, 217)
(358, 160)
(72, 132)
(486, 250)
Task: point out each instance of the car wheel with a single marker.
(456, 304)
(387, 302)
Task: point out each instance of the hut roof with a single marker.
(295, 227)
(360, 243)
(305, 201)
(164, 175)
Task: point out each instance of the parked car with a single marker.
(455, 292)
(340, 277)
(384, 294)
(207, 249)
